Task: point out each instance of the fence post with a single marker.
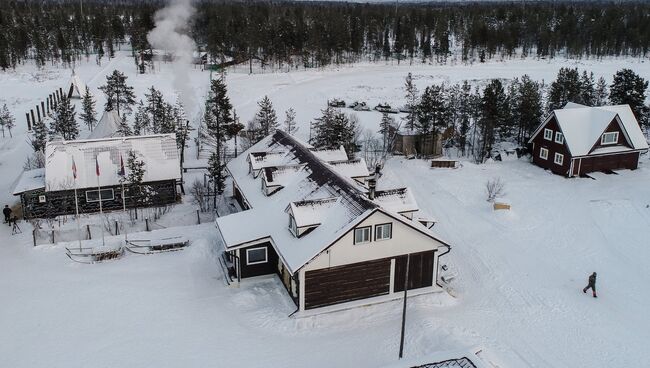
(90, 236)
(117, 229)
(198, 217)
(52, 235)
(29, 123)
(34, 236)
(146, 222)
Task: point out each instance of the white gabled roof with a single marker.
(397, 200)
(159, 153)
(356, 168)
(329, 155)
(30, 180)
(107, 127)
(582, 126)
(315, 195)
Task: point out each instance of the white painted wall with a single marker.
(404, 240)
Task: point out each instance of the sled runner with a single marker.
(94, 255)
(151, 246)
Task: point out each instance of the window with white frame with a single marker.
(559, 137)
(383, 231)
(559, 158)
(93, 195)
(548, 134)
(256, 256)
(543, 153)
(609, 138)
(292, 225)
(362, 235)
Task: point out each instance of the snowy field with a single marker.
(520, 272)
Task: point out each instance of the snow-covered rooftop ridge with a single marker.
(108, 126)
(355, 168)
(330, 154)
(30, 180)
(398, 200)
(158, 152)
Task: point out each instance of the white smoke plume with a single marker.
(170, 35)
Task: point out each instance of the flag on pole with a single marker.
(74, 169)
(121, 172)
(96, 166)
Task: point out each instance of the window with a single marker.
(543, 153)
(548, 134)
(362, 235)
(383, 231)
(559, 158)
(559, 137)
(609, 138)
(292, 225)
(256, 256)
(93, 195)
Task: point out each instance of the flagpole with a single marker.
(76, 201)
(123, 174)
(99, 195)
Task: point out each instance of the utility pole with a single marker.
(406, 284)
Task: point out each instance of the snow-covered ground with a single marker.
(520, 272)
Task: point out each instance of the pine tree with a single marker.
(410, 119)
(64, 123)
(334, 129)
(266, 117)
(528, 106)
(587, 91)
(629, 88)
(464, 115)
(233, 130)
(216, 168)
(432, 111)
(141, 120)
(290, 121)
(494, 105)
(387, 128)
(39, 139)
(88, 115)
(565, 88)
(600, 92)
(155, 108)
(118, 94)
(6, 120)
(135, 177)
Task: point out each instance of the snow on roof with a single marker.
(316, 194)
(77, 85)
(313, 211)
(30, 180)
(329, 155)
(107, 127)
(280, 175)
(356, 168)
(260, 160)
(583, 126)
(158, 152)
(396, 200)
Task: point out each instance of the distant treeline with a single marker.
(312, 34)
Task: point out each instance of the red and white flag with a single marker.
(74, 169)
(96, 166)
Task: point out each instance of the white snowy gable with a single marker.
(158, 152)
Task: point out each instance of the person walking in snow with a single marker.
(591, 285)
(7, 212)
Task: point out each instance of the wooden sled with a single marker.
(149, 246)
(94, 255)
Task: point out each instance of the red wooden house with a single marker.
(579, 139)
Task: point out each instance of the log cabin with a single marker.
(578, 139)
(329, 237)
(50, 192)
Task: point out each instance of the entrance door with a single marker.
(420, 271)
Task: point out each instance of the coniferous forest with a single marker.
(315, 34)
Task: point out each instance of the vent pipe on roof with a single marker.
(372, 184)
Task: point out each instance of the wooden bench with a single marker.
(444, 164)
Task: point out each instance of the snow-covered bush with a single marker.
(495, 188)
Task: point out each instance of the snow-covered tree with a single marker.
(118, 94)
(494, 107)
(7, 121)
(600, 92)
(88, 114)
(334, 129)
(464, 115)
(566, 88)
(387, 129)
(141, 120)
(155, 108)
(134, 178)
(290, 121)
(265, 118)
(410, 120)
(629, 88)
(39, 139)
(432, 111)
(64, 122)
(587, 91)
(527, 104)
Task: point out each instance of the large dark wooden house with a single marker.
(578, 139)
(49, 192)
(330, 237)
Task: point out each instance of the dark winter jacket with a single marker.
(592, 280)
(6, 211)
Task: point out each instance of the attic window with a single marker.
(609, 138)
(292, 225)
(548, 134)
(362, 235)
(559, 137)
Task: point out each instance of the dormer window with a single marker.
(559, 137)
(292, 225)
(548, 134)
(609, 138)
